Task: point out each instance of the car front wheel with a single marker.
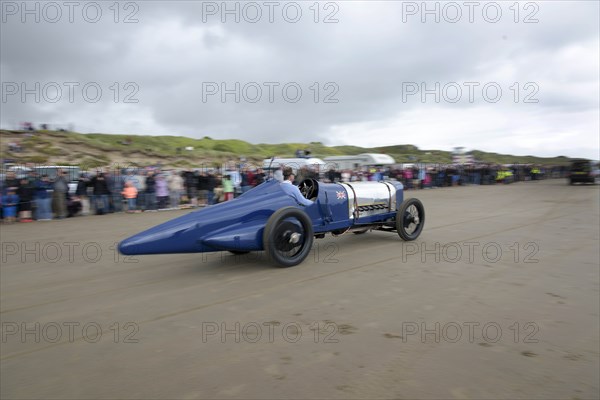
(288, 236)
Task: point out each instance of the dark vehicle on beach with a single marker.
(582, 171)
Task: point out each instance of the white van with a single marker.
(360, 160)
(295, 163)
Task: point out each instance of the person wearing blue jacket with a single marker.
(43, 199)
(10, 202)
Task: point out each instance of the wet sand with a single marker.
(498, 299)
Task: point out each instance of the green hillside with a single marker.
(51, 147)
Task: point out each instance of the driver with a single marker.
(292, 190)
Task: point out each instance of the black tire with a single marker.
(410, 219)
(288, 237)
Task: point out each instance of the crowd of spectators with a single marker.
(436, 176)
(31, 197)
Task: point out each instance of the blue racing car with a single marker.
(269, 218)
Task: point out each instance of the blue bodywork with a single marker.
(238, 225)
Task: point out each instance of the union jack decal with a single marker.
(340, 195)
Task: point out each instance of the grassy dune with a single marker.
(99, 149)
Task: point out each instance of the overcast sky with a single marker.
(519, 78)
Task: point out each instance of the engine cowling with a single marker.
(372, 198)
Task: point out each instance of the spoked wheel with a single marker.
(288, 236)
(410, 219)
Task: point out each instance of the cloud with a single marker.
(341, 83)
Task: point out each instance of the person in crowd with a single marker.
(303, 173)
(11, 181)
(115, 181)
(59, 196)
(191, 184)
(175, 183)
(426, 180)
(248, 180)
(139, 181)
(162, 192)
(26, 192)
(407, 177)
(10, 204)
(331, 175)
(376, 175)
(82, 193)
(211, 184)
(150, 191)
(93, 200)
(449, 175)
(346, 175)
(43, 199)
(202, 189)
(416, 184)
(227, 187)
(433, 177)
(101, 193)
(251, 178)
(219, 193)
(130, 194)
(73, 205)
(259, 177)
(421, 176)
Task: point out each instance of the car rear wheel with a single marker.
(288, 237)
(410, 219)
